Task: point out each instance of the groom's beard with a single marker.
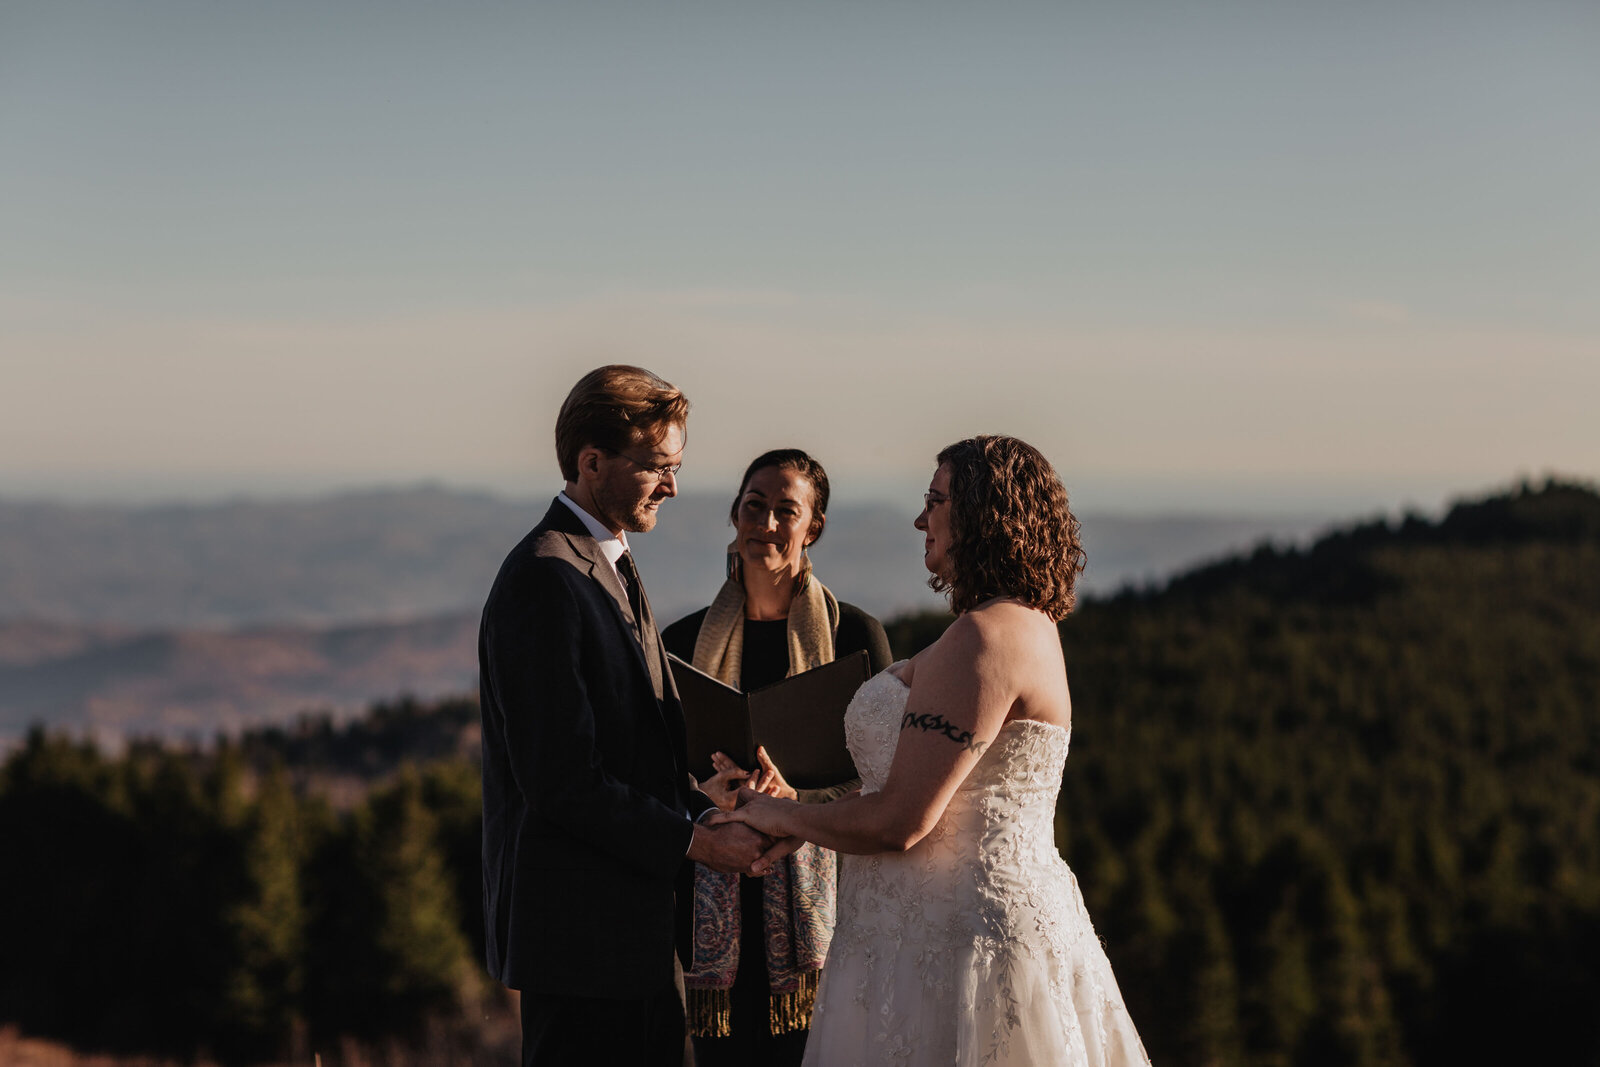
(622, 506)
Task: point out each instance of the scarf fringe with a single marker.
(789, 1012)
(710, 1011)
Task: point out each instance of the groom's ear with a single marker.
(589, 461)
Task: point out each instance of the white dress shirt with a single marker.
(612, 545)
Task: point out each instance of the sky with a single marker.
(1258, 257)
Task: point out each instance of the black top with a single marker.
(766, 643)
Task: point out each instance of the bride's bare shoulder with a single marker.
(1021, 654)
(1006, 620)
(1007, 648)
(941, 648)
(1000, 626)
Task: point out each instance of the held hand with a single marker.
(759, 811)
(769, 779)
(727, 846)
(780, 848)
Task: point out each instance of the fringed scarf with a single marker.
(798, 895)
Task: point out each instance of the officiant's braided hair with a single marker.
(1012, 533)
(616, 407)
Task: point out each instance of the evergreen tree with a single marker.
(262, 993)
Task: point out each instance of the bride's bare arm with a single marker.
(963, 688)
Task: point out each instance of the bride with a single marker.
(961, 936)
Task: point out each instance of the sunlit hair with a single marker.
(788, 459)
(1012, 533)
(616, 408)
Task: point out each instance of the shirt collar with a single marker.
(612, 546)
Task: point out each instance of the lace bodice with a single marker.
(1026, 759)
(973, 946)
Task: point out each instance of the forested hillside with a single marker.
(1343, 806)
(1334, 806)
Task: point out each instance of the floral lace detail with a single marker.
(972, 947)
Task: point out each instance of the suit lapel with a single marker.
(646, 640)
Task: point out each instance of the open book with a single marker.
(799, 720)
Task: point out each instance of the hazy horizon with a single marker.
(396, 554)
(1238, 257)
(1349, 503)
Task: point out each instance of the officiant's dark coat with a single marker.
(587, 801)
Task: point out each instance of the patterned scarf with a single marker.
(798, 895)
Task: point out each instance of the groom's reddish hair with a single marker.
(616, 407)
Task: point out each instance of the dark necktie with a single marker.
(644, 624)
(630, 583)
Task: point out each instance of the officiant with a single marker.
(760, 942)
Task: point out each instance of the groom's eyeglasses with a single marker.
(660, 473)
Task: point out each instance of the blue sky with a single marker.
(1224, 256)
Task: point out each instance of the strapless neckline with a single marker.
(1067, 729)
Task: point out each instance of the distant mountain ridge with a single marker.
(188, 620)
(115, 680)
(1349, 564)
(112, 683)
(399, 554)
(359, 556)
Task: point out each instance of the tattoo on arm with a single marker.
(926, 721)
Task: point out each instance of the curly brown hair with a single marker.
(1012, 533)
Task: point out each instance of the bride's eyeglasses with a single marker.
(660, 473)
(933, 500)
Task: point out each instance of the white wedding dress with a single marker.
(972, 947)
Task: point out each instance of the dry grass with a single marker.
(19, 1051)
(495, 1042)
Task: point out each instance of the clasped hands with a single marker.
(729, 840)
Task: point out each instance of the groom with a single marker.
(588, 807)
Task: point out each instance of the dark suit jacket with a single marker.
(587, 803)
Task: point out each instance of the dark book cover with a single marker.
(799, 720)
